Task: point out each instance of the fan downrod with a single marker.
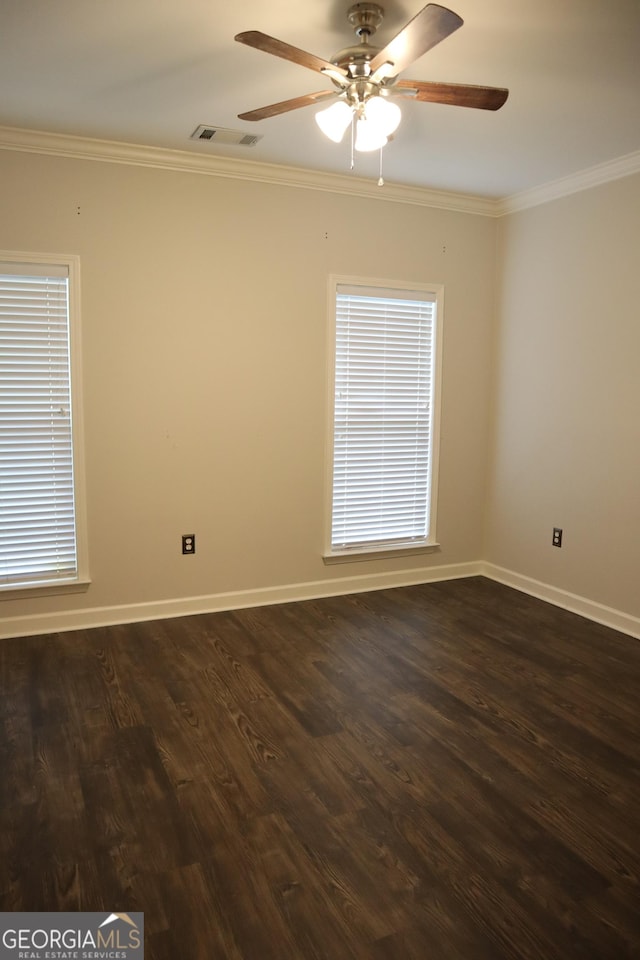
(365, 19)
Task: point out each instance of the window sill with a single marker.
(379, 553)
(48, 588)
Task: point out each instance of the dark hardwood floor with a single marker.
(441, 772)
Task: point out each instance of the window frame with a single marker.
(46, 586)
(398, 548)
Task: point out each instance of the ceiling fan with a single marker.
(366, 77)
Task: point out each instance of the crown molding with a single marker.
(183, 161)
(160, 158)
(583, 180)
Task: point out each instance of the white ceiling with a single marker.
(149, 71)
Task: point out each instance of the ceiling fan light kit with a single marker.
(375, 119)
(366, 77)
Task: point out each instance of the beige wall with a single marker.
(567, 396)
(204, 327)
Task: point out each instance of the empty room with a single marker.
(319, 480)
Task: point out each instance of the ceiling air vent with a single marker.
(222, 135)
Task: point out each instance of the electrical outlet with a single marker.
(556, 540)
(189, 543)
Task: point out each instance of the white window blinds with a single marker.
(383, 415)
(37, 506)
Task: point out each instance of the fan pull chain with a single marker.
(353, 140)
(380, 178)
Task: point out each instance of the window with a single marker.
(384, 439)
(41, 529)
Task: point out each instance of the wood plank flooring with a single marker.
(447, 771)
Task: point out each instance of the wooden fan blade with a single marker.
(427, 28)
(274, 109)
(262, 41)
(456, 94)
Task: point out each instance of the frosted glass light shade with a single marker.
(384, 114)
(380, 118)
(334, 120)
(368, 137)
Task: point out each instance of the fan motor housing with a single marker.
(355, 57)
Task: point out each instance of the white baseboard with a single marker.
(89, 617)
(607, 616)
(86, 618)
